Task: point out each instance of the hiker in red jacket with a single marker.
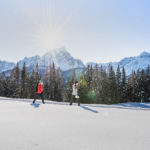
(39, 91)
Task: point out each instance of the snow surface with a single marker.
(58, 126)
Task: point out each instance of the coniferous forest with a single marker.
(96, 84)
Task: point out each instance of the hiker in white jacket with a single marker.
(75, 93)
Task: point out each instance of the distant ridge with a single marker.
(129, 63)
(63, 59)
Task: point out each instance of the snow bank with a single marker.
(58, 126)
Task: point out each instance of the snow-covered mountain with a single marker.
(61, 58)
(129, 63)
(4, 66)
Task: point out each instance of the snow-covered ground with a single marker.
(58, 126)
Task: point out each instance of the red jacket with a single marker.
(40, 88)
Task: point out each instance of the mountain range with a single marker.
(63, 59)
(60, 57)
(129, 63)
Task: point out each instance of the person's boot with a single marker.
(33, 102)
(78, 102)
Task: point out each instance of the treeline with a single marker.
(22, 84)
(98, 85)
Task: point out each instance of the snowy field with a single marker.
(58, 126)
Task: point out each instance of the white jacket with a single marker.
(74, 90)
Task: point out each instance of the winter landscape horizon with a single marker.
(53, 55)
(63, 48)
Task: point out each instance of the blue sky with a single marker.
(92, 30)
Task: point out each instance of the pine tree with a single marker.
(137, 86)
(32, 83)
(147, 80)
(2, 82)
(53, 83)
(59, 88)
(47, 83)
(112, 86)
(74, 76)
(68, 90)
(95, 84)
(23, 93)
(95, 78)
(103, 86)
(142, 84)
(131, 87)
(68, 86)
(123, 94)
(89, 76)
(37, 75)
(118, 83)
(8, 89)
(15, 81)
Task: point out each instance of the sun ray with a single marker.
(43, 29)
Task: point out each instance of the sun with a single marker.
(50, 38)
(48, 28)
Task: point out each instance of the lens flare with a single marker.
(46, 27)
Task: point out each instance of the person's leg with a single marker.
(42, 96)
(35, 96)
(71, 101)
(78, 101)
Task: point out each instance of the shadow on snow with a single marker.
(129, 105)
(89, 109)
(35, 105)
(137, 105)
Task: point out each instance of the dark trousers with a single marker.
(37, 96)
(74, 98)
